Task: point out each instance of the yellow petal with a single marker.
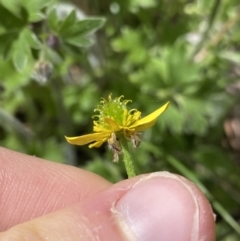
(149, 120)
(98, 143)
(112, 124)
(85, 139)
(98, 128)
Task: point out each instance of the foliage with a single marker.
(55, 66)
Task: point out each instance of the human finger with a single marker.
(31, 187)
(157, 207)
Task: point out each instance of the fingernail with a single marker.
(159, 207)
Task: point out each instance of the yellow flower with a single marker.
(115, 119)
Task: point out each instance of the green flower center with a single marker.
(115, 109)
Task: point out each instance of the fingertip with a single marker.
(163, 206)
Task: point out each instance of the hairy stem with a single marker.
(127, 158)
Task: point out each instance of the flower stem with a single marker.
(127, 158)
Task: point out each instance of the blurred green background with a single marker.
(58, 58)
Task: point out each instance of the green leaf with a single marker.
(52, 20)
(34, 8)
(24, 15)
(35, 5)
(10, 21)
(230, 56)
(31, 39)
(36, 17)
(8, 72)
(161, 68)
(6, 40)
(12, 6)
(79, 41)
(21, 52)
(68, 22)
(83, 27)
(20, 59)
(174, 119)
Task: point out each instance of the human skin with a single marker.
(45, 201)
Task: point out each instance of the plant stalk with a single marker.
(127, 158)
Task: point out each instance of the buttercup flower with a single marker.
(113, 121)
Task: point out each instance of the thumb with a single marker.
(158, 206)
